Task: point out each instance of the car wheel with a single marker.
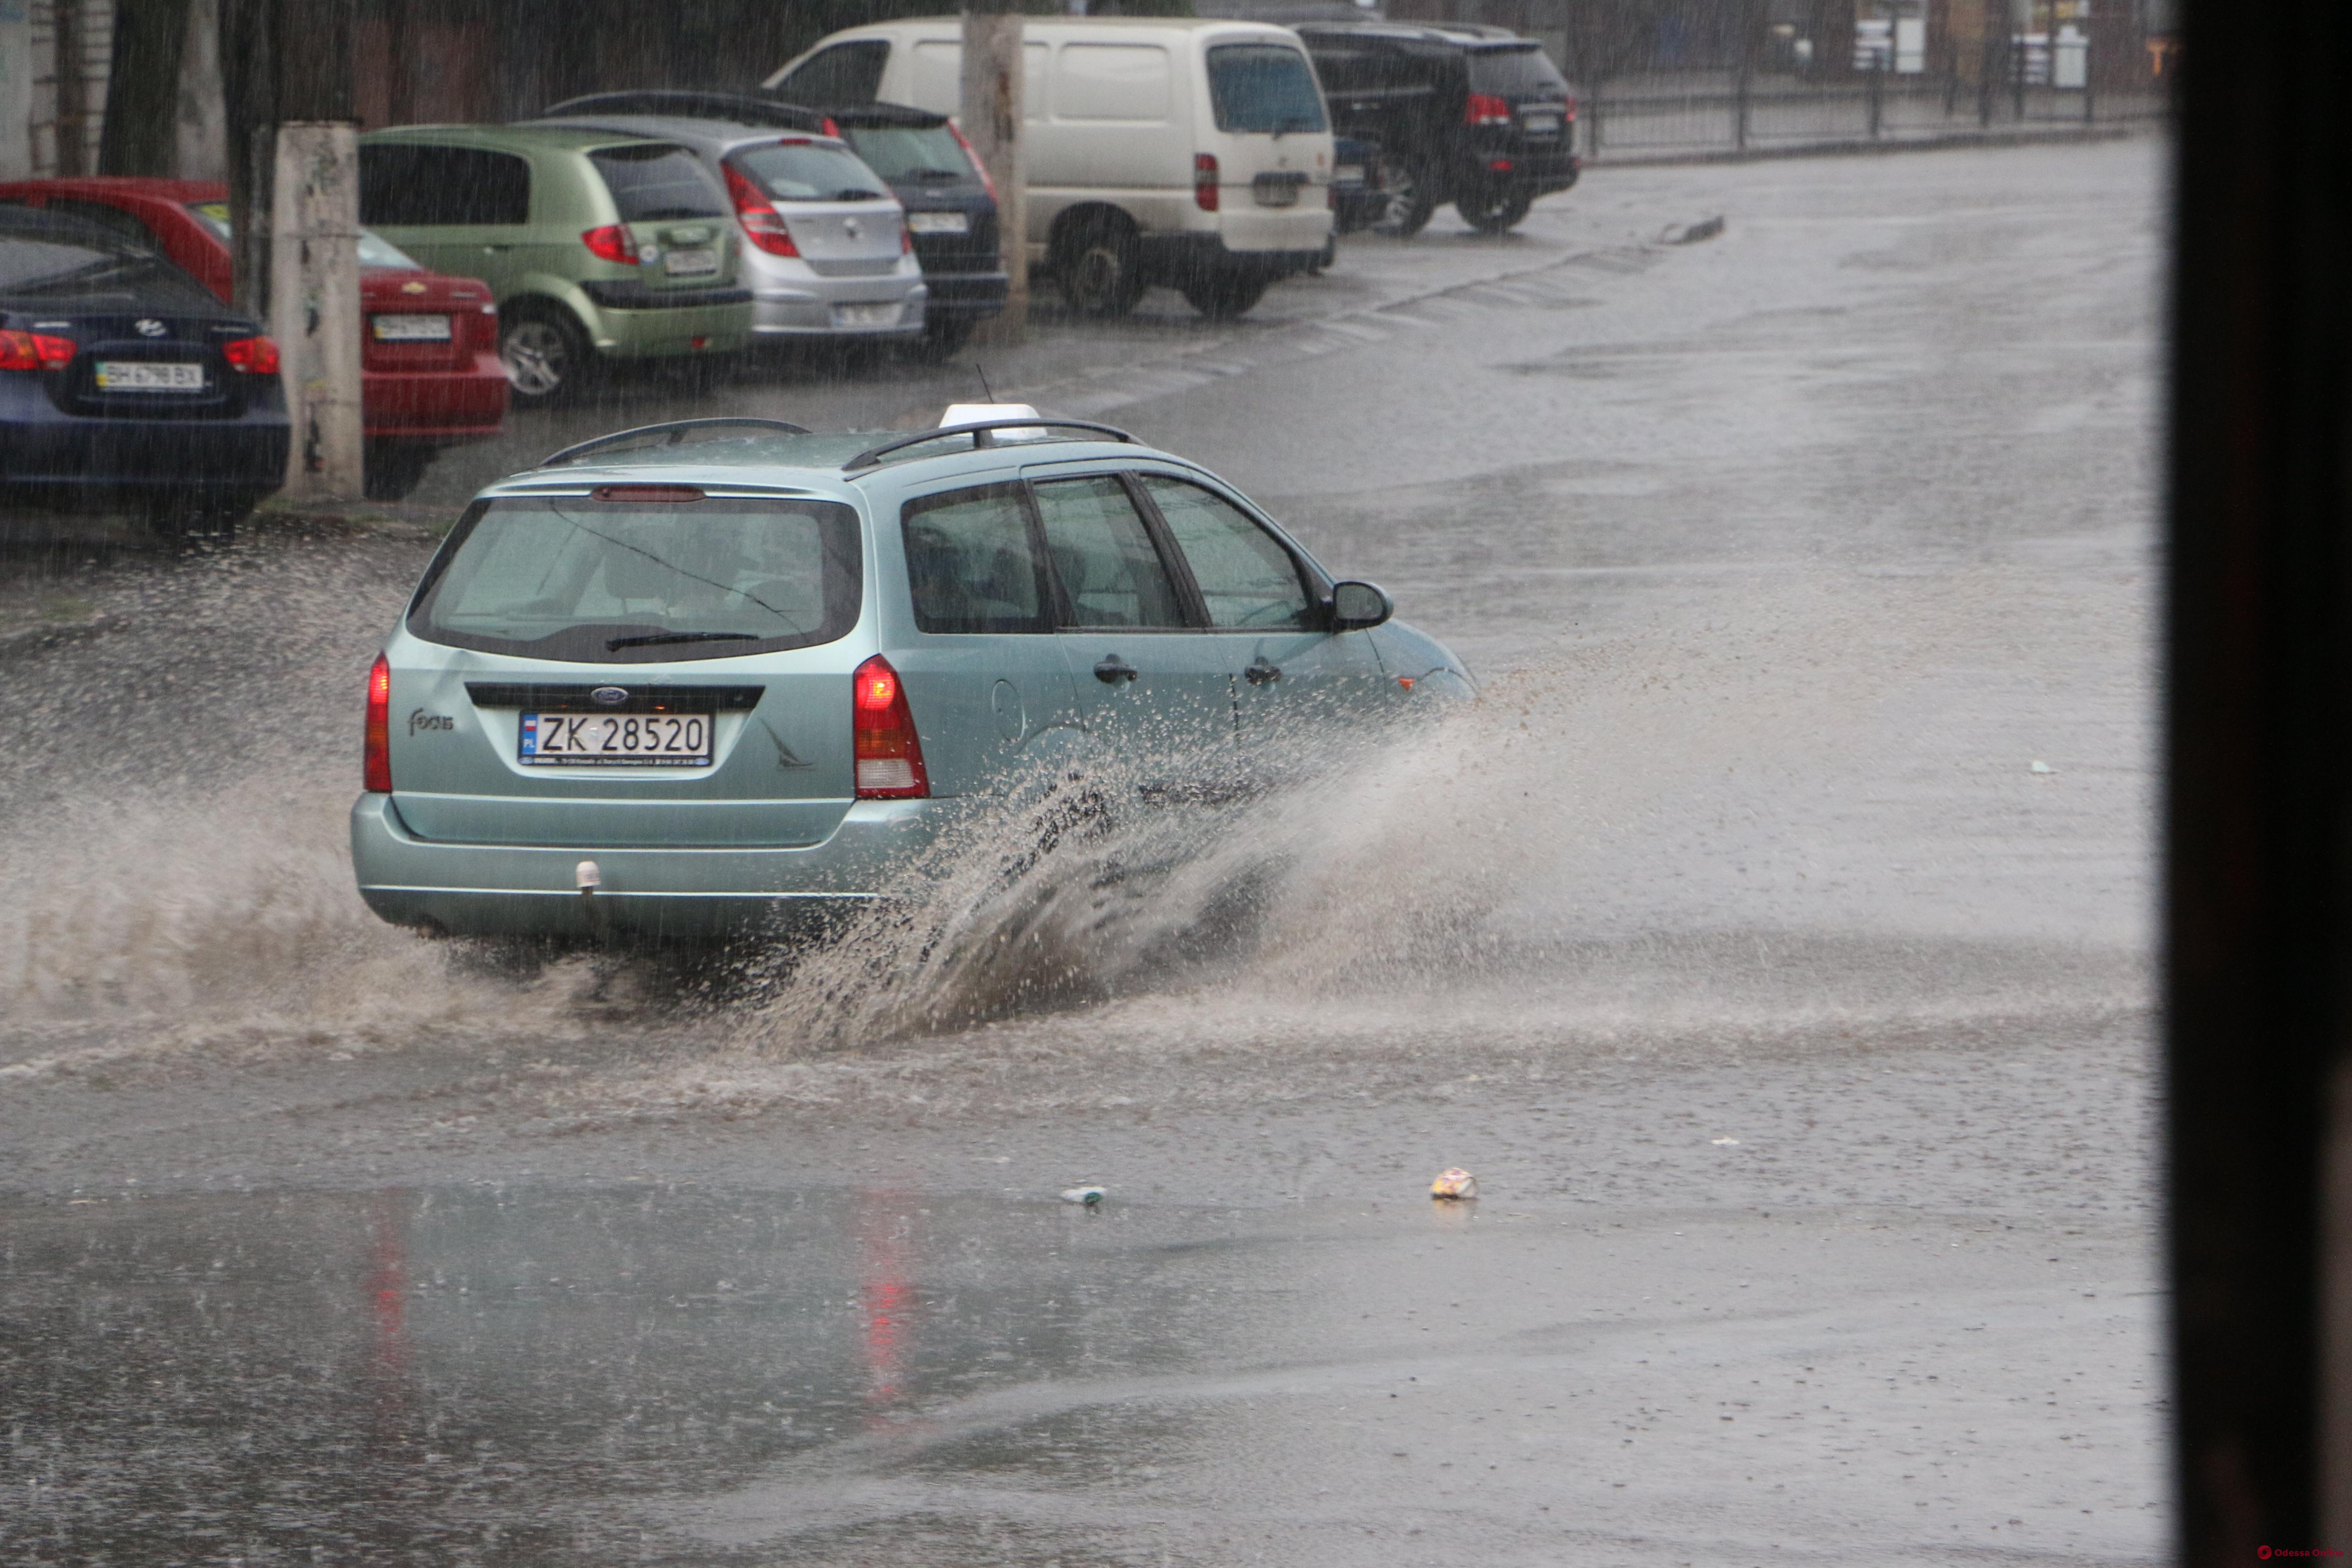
(1496, 211)
(394, 468)
(1222, 296)
(1101, 269)
(545, 352)
(197, 517)
(1408, 199)
(943, 337)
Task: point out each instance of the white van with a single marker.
(1191, 151)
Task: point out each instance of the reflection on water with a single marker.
(478, 1376)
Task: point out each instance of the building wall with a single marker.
(29, 82)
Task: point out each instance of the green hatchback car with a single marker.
(596, 246)
(727, 673)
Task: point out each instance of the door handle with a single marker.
(1261, 673)
(1114, 669)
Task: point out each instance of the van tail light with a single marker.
(889, 755)
(1570, 114)
(255, 356)
(1204, 180)
(977, 166)
(906, 237)
(763, 226)
(612, 242)
(375, 765)
(1486, 109)
(34, 350)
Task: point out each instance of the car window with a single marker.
(799, 170)
(843, 74)
(406, 186)
(1110, 570)
(375, 251)
(615, 581)
(47, 256)
(1515, 73)
(1263, 87)
(105, 216)
(917, 153)
(970, 564)
(1247, 579)
(656, 181)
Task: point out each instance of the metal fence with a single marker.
(1647, 113)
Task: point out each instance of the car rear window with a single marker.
(655, 181)
(912, 154)
(1515, 73)
(627, 581)
(1263, 87)
(799, 170)
(55, 257)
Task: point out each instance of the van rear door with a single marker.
(1271, 143)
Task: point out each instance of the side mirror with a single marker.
(1355, 605)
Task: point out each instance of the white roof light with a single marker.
(978, 413)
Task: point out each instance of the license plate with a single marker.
(1348, 174)
(865, 315)
(411, 328)
(1542, 124)
(1276, 191)
(690, 263)
(939, 223)
(147, 375)
(615, 739)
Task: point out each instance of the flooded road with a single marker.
(1771, 941)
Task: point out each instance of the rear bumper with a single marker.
(977, 295)
(624, 326)
(806, 310)
(41, 446)
(441, 405)
(496, 890)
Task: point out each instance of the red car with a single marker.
(430, 352)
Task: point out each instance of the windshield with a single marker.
(655, 181)
(917, 153)
(1515, 73)
(375, 251)
(626, 581)
(1264, 88)
(802, 171)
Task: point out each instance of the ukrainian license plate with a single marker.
(939, 223)
(690, 263)
(411, 328)
(148, 376)
(865, 315)
(615, 739)
(1277, 190)
(1542, 124)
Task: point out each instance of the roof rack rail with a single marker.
(676, 429)
(736, 107)
(983, 434)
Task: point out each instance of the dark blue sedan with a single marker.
(125, 382)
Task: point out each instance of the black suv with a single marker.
(950, 207)
(1475, 116)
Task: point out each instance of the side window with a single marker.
(969, 562)
(1110, 570)
(845, 74)
(407, 186)
(112, 219)
(1248, 579)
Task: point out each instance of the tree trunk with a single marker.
(142, 92)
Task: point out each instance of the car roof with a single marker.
(1056, 24)
(718, 137)
(1459, 35)
(510, 138)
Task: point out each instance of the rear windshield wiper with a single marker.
(931, 176)
(615, 644)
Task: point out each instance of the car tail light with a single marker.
(977, 166)
(889, 755)
(1486, 109)
(375, 766)
(763, 226)
(34, 350)
(906, 235)
(1570, 114)
(612, 242)
(1204, 180)
(1331, 197)
(828, 127)
(1500, 165)
(255, 356)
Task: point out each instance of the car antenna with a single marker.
(984, 387)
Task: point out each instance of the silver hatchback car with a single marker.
(681, 680)
(826, 252)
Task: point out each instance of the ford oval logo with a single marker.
(148, 327)
(610, 696)
(849, 225)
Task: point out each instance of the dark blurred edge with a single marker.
(2258, 966)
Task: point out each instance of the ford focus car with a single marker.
(729, 673)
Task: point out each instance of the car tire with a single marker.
(1411, 197)
(394, 468)
(1222, 296)
(199, 517)
(1100, 268)
(546, 354)
(1496, 211)
(943, 338)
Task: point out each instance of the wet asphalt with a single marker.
(1772, 941)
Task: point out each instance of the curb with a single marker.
(2056, 135)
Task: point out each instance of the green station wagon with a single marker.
(726, 672)
(595, 244)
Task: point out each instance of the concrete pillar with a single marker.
(17, 113)
(992, 113)
(200, 128)
(314, 299)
